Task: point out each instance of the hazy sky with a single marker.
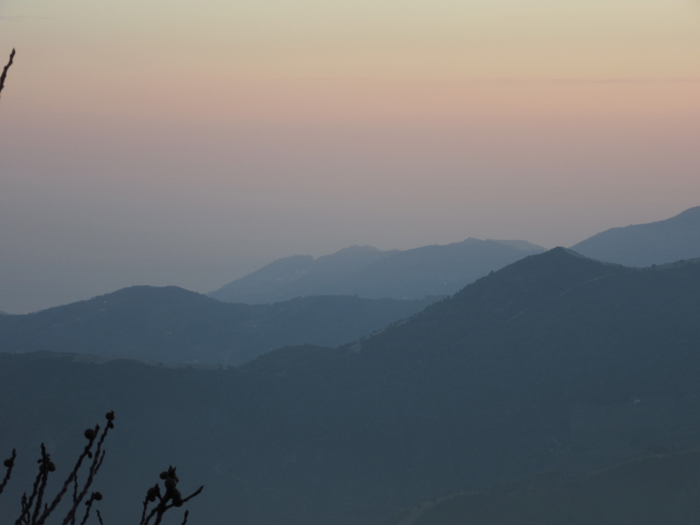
(171, 142)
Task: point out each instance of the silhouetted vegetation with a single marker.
(37, 507)
(5, 70)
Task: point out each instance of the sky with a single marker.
(189, 143)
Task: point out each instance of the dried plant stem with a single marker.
(39, 482)
(98, 458)
(49, 509)
(33, 514)
(10, 464)
(96, 496)
(162, 507)
(44, 469)
(4, 71)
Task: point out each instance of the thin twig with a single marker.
(163, 507)
(75, 488)
(87, 512)
(86, 452)
(32, 512)
(10, 464)
(27, 503)
(155, 488)
(94, 468)
(4, 71)
(95, 496)
(46, 467)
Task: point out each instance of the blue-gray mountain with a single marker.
(674, 239)
(368, 272)
(556, 361)
(172, 325)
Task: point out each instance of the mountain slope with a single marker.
(656, 488)
(642, 245)
(556, 361)
(478, 387)
(368, 272)
(174, 325)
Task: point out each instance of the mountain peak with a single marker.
(550, 272)
(689, 216)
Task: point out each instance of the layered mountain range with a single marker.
(443, 270)
(172, 325)
(556, 361)
(368, 272)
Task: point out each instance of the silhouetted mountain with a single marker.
(654, 489)
(368, 272)
(556, 361)
(674, 239)
(3, 313)
(175, 325)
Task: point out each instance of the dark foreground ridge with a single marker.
(655, 488)
(556, 361)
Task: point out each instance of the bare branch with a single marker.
(9, 465)
(46, 467)
(32, 512)
(4, 71)
(95, 496)
(163, 503)
(37, 488)
(86, 453)
(97, 460)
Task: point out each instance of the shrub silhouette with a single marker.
(156, 503)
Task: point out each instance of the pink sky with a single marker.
(188, 143)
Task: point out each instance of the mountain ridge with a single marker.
(640, 245)
(170, 324)
(556, 361)
(368, 272)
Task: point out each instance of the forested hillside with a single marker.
(658, 487)
(172, 325)
(555, 362)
